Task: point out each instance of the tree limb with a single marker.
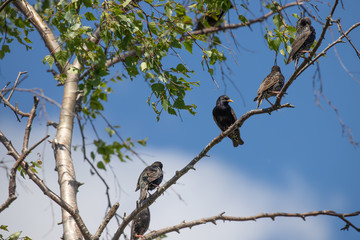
(106, 220)
(222, 217)
(305, 64)
(190, 165)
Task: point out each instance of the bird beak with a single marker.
(230, 100)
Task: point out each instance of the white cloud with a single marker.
(208, 191)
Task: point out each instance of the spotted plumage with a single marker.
(224, 117)
(140, 224)
(149, 179)
(271, 85)
(305, 37)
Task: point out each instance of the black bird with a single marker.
(270, 86)
(140, 224)
(210, 19)
(305, 37)
(224, 116)
(149, 179)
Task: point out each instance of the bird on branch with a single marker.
(224, 117)
(305, 37)
(270, 86)
(149, 179)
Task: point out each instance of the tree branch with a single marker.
(306, 63)
(192, 163)
(44, 30)
(239, 25)
(106, 220)
(222, 217)
(122, 57)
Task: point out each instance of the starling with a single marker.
(149, 179)
(224, 116)
(271, 85)
(211, 19)
(140, 224)
(305, 37)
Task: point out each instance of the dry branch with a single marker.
(192, 163)
(222, 217)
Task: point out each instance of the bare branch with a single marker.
(222, 217)
(190, 165)
(106, 220)
(15, 109)
(15, 84)
(29, 124)
(306, 63)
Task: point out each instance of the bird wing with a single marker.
(298, 42)
(265, 85)
(152, 174)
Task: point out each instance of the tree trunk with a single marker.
(64, 163)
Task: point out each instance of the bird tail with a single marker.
(236, 139)
(259, 102)
(143, 191)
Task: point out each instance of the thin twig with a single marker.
(15, 84)
(29, 124)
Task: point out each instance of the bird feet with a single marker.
(139, 236)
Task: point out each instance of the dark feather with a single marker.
(305, 37)
(149, 179)
(140, 224)
(224, 116)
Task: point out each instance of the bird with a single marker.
(305, 37)
(211, 19)
(224, 116)
(149, 179)
(140, 224)
(270, 86)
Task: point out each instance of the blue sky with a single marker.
(295, 160)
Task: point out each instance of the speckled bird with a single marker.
(224, 116)
(305, 37)
(270, 86)
(149, 179)
(140, 224)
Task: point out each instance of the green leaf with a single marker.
(140, 14)
(143, 66)
(282, 52)
(110, 131)
(277, 21)
(101, 165)
(90, 17)
(179, 103)
(14, 236)
(157, 88)
(126, 3)
(152, 27)
(4, 227)
(168, 11)
(243, 19)
(49, 59)
(87, 3)
(188, 44)
(165, 104)
(295, 15)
